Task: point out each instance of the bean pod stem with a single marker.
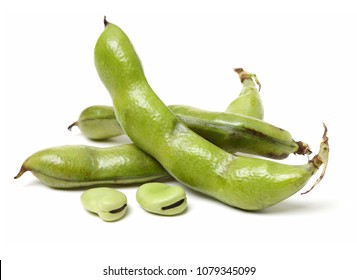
(248, 102)
(321, 159)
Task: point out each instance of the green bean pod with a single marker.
(75, 166)
(98, 123)
(242, 182)
(232, 132)
(248, 102)
(238, 133)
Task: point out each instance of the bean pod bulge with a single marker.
(74, 166)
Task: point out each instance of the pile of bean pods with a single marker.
(196, 147)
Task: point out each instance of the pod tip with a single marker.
(246, 75)
(22, 171)
(72, 125)
(105, 21)
(324, 137)
(238, 70)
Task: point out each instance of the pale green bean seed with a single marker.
(109, 204)
(162, 199)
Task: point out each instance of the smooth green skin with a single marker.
(157, 198)
(246, 183)
(248, 102)
(98, 123)
(229, 131)
(109, 204)
(76, 166)
(239, 133)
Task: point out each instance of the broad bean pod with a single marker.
(242, 182)
(76, 166)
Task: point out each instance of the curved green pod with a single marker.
(246, 183)
(75, 166)
(248, 102)
(230, 131)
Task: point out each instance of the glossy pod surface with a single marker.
(241, 182)
(109, 204)
(162, 199)
(83, 166)
(98, 123)
(239, 133)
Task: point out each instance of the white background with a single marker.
(306, 63)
